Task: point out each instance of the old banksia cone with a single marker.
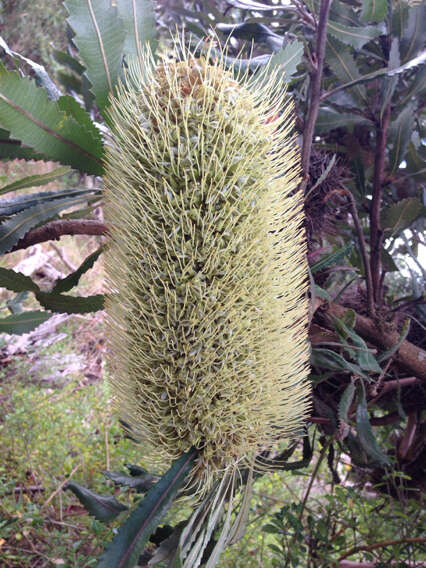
(206, 268)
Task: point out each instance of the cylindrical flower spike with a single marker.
(206, 268)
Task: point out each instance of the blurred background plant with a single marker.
(353, 495)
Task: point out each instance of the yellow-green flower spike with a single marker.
(206, 269)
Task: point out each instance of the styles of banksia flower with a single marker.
(206, 268)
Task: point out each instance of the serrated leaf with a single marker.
(374, 10)
(132, 537)
(11, 149)
(29, 116)
(64, 304)
(400, 131)
(99, 37)
(365, 432)
(327, 359)
(329, 119)
(139, 21)
(74, 109)
(140, 483)
(41, 75)
(345, 402)
(67, 283)
(36, 180)
(20, 203)
(68, 61)
(23, 323)
(104, 508)
(332, 258)
(287, 59)
(356, 37)
(13, 229)
(389, 352)
(362, 355)
(343, 64)
(16, 281)
(400, 215)
(168, 550)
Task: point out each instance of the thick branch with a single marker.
(315, 90)
(56, 229)
(396, 563)
(409, 356)
(376, 233)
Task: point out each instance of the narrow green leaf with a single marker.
(332, 258)
(23, 323)
(374, 10)
(362, 355)
(328, 119)
(139, 21)
(140, 483)
(132, 537)
(20, 203)
(327, 359)
(99, 37)
(16, 281)
(389, 84)
(356, 37)
(412, 40)
(71, 304)
(365, 432)
(252, 31)
(104, 508)
(400, 215)
(12, 230)
(36, 180)
(67, 283)
(345, 402)
(29, 116)
(400, 132)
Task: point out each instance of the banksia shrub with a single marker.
(206, 269)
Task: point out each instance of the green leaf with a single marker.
(11, 149)
(20, 203)
(412, 40)
(139, 21)
(67, 283)
(71, 304)
(356, 37)
(104, 508)
(329, 119)
(141, 483)
(365, 432)
(287, 59)
(327, 359)
(389, 84)
(76, 111)
(13, 229)
(331, 259)
(387, 261)
(27, 113)
(36, 180)
(374, 10)
(343, 64)
(16, 281)
(23, 323)
(389, 352)
(345, 402)
(362, 355)
(252, 31)
(125, 549)
(99, 37)
(400, 132)
(68, 61)
(400, 215)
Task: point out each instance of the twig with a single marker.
(409, 356)
(365, 260)
(376, 232)
(63, 257)
(408, 436)
(315, 90)
(382, 544)
(53, 495)
(56, 229)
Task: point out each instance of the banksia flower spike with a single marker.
(206, 269)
